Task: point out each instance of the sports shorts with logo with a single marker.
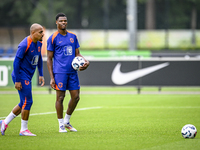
(66, 81)
(25, 94)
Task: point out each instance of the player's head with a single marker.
(37, 32)
(60, 15)
(61, 21)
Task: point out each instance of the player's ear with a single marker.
(32, 32)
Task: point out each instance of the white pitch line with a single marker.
(132, 107)
(87, 108)
(46, 113)
(153, 107)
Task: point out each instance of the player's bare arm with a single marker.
(50, 68)
(86, 64)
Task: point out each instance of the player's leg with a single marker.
(4, 123)
(26, 102)
(73, 87)
(15, 112)
(71, 107)
(73, 101)
(60, 95)
(60, 81)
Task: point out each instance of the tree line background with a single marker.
(101, 14)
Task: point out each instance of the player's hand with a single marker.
(18, 86)
(85, 65)
(41, 80)
(52, 83)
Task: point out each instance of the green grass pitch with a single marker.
(106, 122)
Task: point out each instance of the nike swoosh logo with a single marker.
(121, 78)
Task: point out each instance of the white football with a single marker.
(77, 62)
(189, 131)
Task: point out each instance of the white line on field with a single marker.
(87, 108)
(46, 113)
(120, 107)
(153, 107)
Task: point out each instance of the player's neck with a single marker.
(63, 32)
(34, 41)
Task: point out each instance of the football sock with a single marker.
(67, 118)
(9, 118)
(60, 121)
(24, 125)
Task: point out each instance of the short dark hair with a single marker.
(60, 15)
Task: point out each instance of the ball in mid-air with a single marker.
(189, 131)
(77, 62)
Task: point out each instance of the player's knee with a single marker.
(77, 99)
(60, 98)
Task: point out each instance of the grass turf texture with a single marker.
(139, 122)
(114, 88)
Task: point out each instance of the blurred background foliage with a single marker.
(101, 14)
